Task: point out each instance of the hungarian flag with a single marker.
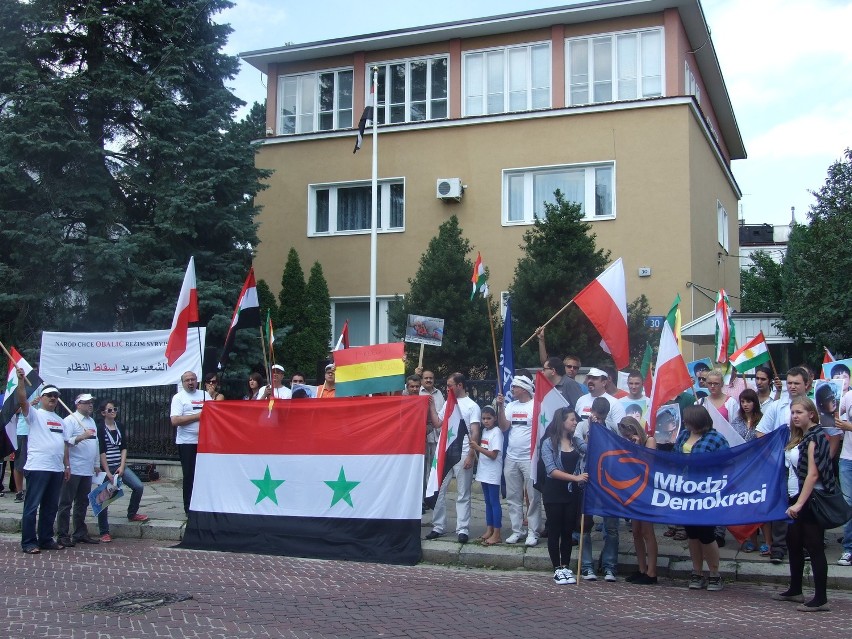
(369, 369)
(604, 301)
(827, 358)
(479, 279)
(31, 381)
(449, 448)
(725, 339)
(186, 312)
(343, 340)
(366, 117)
(646, 370)
(671, 376)
(752, 355)
(546, 401)
(674, 319)
(331, 480)
(246, 315)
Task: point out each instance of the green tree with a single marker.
(559, 259)
(292, 313)
(817, 303)
(637, 329)
(316, 338)
(441, 288)
(761, 289)
(119, 159)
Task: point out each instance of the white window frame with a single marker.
(722, 225)
(529, 173)
(505, 51)
(614, 68)
(383, 303)
(315, 75)
(690, 83)
(368, 77)
(332, 187)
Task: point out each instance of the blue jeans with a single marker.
(846, 487)
(493, 511)
(609, 555)
(131, 481)
(42, 497)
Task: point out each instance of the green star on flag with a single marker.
(267, 487)
(342, 488)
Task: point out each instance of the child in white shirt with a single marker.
(489, 472)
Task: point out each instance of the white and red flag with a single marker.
(827, 358)
(343, 340)
(604, 301)
(546, 401)
(186, 313)
(671, 376)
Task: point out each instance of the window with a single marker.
(722, 225)
(507, 79)
(691, 84)
(621, 66)
(412, 90)
(525, 191)
(357, 311)
(319, 101)
(345, 208)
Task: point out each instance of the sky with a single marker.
(787, 65)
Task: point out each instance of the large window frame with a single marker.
(317, 101)
(508, 79)
(722, 226)
(526, 189)
(343, 208)
(608, 67)
(407, 103)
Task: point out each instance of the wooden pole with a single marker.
(420, 359)
(580, 545)
(557, 314)
(494, 344)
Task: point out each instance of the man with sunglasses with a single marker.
(46, 468)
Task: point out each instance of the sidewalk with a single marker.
(163, 503)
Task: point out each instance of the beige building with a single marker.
(620, 104)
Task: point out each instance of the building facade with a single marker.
(619, 104)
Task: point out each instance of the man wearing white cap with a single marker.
(516, 418)
(277, 388)
(84, 458)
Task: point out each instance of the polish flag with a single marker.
(604, 301)
(185, 313)
(671, 377)
(546, 401)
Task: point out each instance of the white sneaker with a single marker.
(588, 575)
(513, 538)
(609, 576)
(569, 576)
(559, 576)
(845, 559)
(532, 540)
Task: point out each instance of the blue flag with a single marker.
(507, 354)
(746, 484)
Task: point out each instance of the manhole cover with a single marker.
(137, 601)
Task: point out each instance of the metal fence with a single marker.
(144, 413)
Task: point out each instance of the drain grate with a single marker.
(136, 601)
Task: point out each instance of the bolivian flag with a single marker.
(369, 369)
(341, 479)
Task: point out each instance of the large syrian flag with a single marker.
(449, 447)
(246, 315)
(334, 480)
(31, 380)
(546, 401)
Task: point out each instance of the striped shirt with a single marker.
(111, 445)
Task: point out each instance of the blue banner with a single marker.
(507, 355)
(746, 484)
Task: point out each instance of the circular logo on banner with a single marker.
(622, 476)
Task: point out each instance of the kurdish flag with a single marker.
(752, 355)
(31, 380)
(369, 369)
(330, 480)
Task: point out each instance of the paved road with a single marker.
(237, 595)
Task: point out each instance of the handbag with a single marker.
(829, 509)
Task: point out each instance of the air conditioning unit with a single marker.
(449, 189)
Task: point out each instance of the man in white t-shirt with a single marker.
(516, 418)
(277, 387)
(185, 415)
(84, 457)
(46, 468)
(427, 387)
(463, 470)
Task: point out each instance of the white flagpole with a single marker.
(375, 207)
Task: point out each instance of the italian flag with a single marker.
(671, 376)
(604, 301)
(333, 480)
(752, 355)
(546, 401)
(479, 279)
(246, 315)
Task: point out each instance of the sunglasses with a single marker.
(111, 410)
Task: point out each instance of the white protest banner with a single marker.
(420, 329)
(116, 360)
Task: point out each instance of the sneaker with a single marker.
(513, 538)
(559, 576)
(569, 576)
(776, 557)
(764, 550)
(588, 574)
(747, 546)
(845, 559)
(434, 535)
(138, 517)
(715, 583)
(532, 540)
(463, 538)
(106, 538)
(19, 497)
(609, 575)
(697, 582)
